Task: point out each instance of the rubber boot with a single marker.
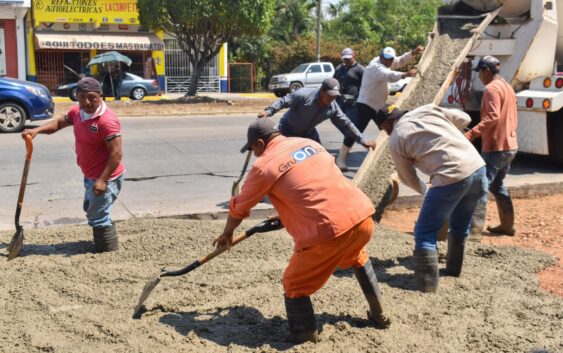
(341, 158)
(105, 239)
(368, 282)
(301, 319)
(506, 215)
(454, 259)
(426, 270)
(477, 223)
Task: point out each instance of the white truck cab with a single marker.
(304, 75)
(527, 38)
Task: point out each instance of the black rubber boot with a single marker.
(426, 270)
(301, 319)
(478, 223)
(105, 239)
(506, 215)
(454, 259)
(368, 282)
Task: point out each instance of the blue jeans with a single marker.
(455, 203)
(97, 208)
(351, 111)
(498, 165)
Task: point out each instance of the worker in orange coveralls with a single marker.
(328, 217)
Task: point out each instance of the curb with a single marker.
(402, 202)
(517, 192)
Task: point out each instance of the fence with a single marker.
(178, 71)
(241, 77)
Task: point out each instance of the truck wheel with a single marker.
(294, 86)
(12, 117)
(280, 93)
(555, 136)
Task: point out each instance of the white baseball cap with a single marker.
(388, 53)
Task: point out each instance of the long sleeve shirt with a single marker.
(499, 118)
(430, 139)
(314, 200)
(350, 79)
(304, 114)
(374, 90)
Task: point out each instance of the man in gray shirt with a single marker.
(430, 139)
(308, 107)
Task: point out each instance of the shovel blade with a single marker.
(140, 308)
(16, 245)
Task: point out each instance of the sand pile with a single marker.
(60, 297)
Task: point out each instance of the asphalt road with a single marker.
(175, 166)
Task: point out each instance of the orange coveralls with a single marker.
(328, 217)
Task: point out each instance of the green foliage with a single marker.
(202, 26)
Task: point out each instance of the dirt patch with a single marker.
(539, 225)
(59, 297)
(180, 106)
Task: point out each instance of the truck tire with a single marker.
(555, 136)
(294, 86)
(12, 117)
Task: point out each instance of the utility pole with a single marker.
(319, 30)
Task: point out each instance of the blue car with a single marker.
(21, 101)
(132, 86)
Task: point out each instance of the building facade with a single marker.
(12, 38)
(64, 35)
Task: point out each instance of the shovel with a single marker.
(17, 240)
(235, 190)
(262, 227)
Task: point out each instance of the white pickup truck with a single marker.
(304, 75)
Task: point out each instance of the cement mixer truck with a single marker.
(527, 38)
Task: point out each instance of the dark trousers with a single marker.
(350, 109)
(365, 114)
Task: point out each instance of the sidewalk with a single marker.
(172, 96)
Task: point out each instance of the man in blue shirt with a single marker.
(308, 107)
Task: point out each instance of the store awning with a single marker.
(98, 41)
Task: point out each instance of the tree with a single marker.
(202, 26)
(293, 19)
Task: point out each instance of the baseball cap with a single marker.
(347, 53)
(388, 53)
(389, 112)
(487, 62)
(88, 84)
(259, 129)
(331, 86)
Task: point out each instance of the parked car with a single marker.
(399, 86)
(133, 86)
(21, 101)
(304, 75)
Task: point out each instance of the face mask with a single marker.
(85, 116)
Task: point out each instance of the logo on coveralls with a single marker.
(298, 156)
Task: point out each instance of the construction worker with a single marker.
(497, 130)
(308, 107)
(349, 75)
(374, 89)
(97, 133)
(328, 217)
(430, 138)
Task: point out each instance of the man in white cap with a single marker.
(308, 107)
(374, 90)
(349, 75)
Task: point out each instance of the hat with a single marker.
(347, 53)
(389, 112)
(487, 62)
(88, 84)
(388, 53)
(331, 86)
(259, 129)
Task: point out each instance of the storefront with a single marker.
(66, 34)
(12, 37)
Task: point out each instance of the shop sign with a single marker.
(84, 11)
(100, 43)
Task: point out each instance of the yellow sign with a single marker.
(85, 11)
